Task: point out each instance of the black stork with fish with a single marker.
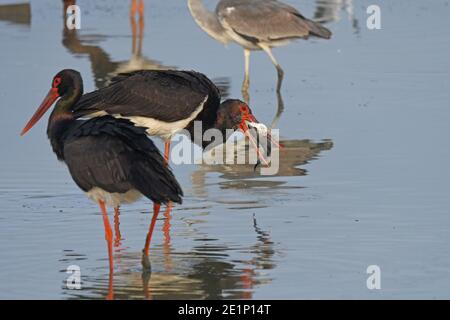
(111, 159)
(168, 101)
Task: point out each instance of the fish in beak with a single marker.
(248, 123)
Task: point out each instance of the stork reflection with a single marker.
(206, 271)
(103, 67)
(18, 14)
(294, 154)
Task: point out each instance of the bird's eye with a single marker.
(56, 81)
(243, 108)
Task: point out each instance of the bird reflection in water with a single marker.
(330, 11)
(18, 14)
(293, 154)
(103, 67)
(205, 272)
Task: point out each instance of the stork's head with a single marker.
(66, 84)
(237, 115)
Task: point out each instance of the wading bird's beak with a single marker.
(52, 95)
(248, 121)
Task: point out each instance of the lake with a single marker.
(364, 178)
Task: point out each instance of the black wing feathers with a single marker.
(116, 156)
(167, 95)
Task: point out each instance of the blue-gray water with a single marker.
(364, 178)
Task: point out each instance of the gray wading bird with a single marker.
(256, 25)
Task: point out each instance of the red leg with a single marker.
(167, 152)
(110, 295)
(108, 235)
(118, 236)
(156, 207)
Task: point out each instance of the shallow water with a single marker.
(364, 176)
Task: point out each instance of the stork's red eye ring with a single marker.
(56, 81)
(243, 108)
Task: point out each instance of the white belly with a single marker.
(156, 127)
(113, 200)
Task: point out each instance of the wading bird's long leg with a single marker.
(166, 152)
(246, 82)
(117, 235)
(110, 295)
(275, 63)
(108, 235)
(145, 259)
(280, 110)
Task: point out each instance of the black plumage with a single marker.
(111, 159)
(165, 95)
(114, 155)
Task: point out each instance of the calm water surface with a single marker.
(364, 177)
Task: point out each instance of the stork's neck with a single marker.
(222, 123)
(62, 119)
(208, 21)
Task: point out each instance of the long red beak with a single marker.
(52, 95)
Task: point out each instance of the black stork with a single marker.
(110, 159)
(168, 101)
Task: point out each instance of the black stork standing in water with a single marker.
(168, 101)
(111, 159)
